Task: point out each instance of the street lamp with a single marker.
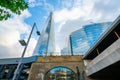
(23, 43)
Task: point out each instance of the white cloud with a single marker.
(31, 47)
(10, 31)
(69, 21)
(66, 3)
(81, 12)
(34, 3)
(43, 3)
(65, 15)
(108, 9)
(65, 30)
(25, 14)
(48, 6)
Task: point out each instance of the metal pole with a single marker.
(20, 61)
(78, 73)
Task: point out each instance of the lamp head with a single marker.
(22, 42)
(38, 33)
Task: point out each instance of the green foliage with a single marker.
(15, 6)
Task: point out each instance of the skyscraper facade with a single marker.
(46, 42)
(85, 38)
(67, 49)
(64, 51)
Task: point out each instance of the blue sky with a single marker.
(69, 15)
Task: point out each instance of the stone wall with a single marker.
(44, 64)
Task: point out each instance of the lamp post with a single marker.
(23, 43)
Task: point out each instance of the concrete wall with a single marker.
(107, 57)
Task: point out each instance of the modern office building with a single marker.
(94, 31)
(46, 42)
(64, 51)
(67, 50)
(103, 59)
(82, 39)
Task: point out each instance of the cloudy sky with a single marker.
(69, 15)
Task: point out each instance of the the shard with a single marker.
(46, 42)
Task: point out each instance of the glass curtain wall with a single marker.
(85, 38)
(46, 42)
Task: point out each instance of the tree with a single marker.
(7, 7)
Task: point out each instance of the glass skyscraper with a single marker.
(66, 50)
(83, 39)
(46, 42)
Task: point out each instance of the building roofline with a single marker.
(16, 60)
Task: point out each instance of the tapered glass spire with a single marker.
(46, 42)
